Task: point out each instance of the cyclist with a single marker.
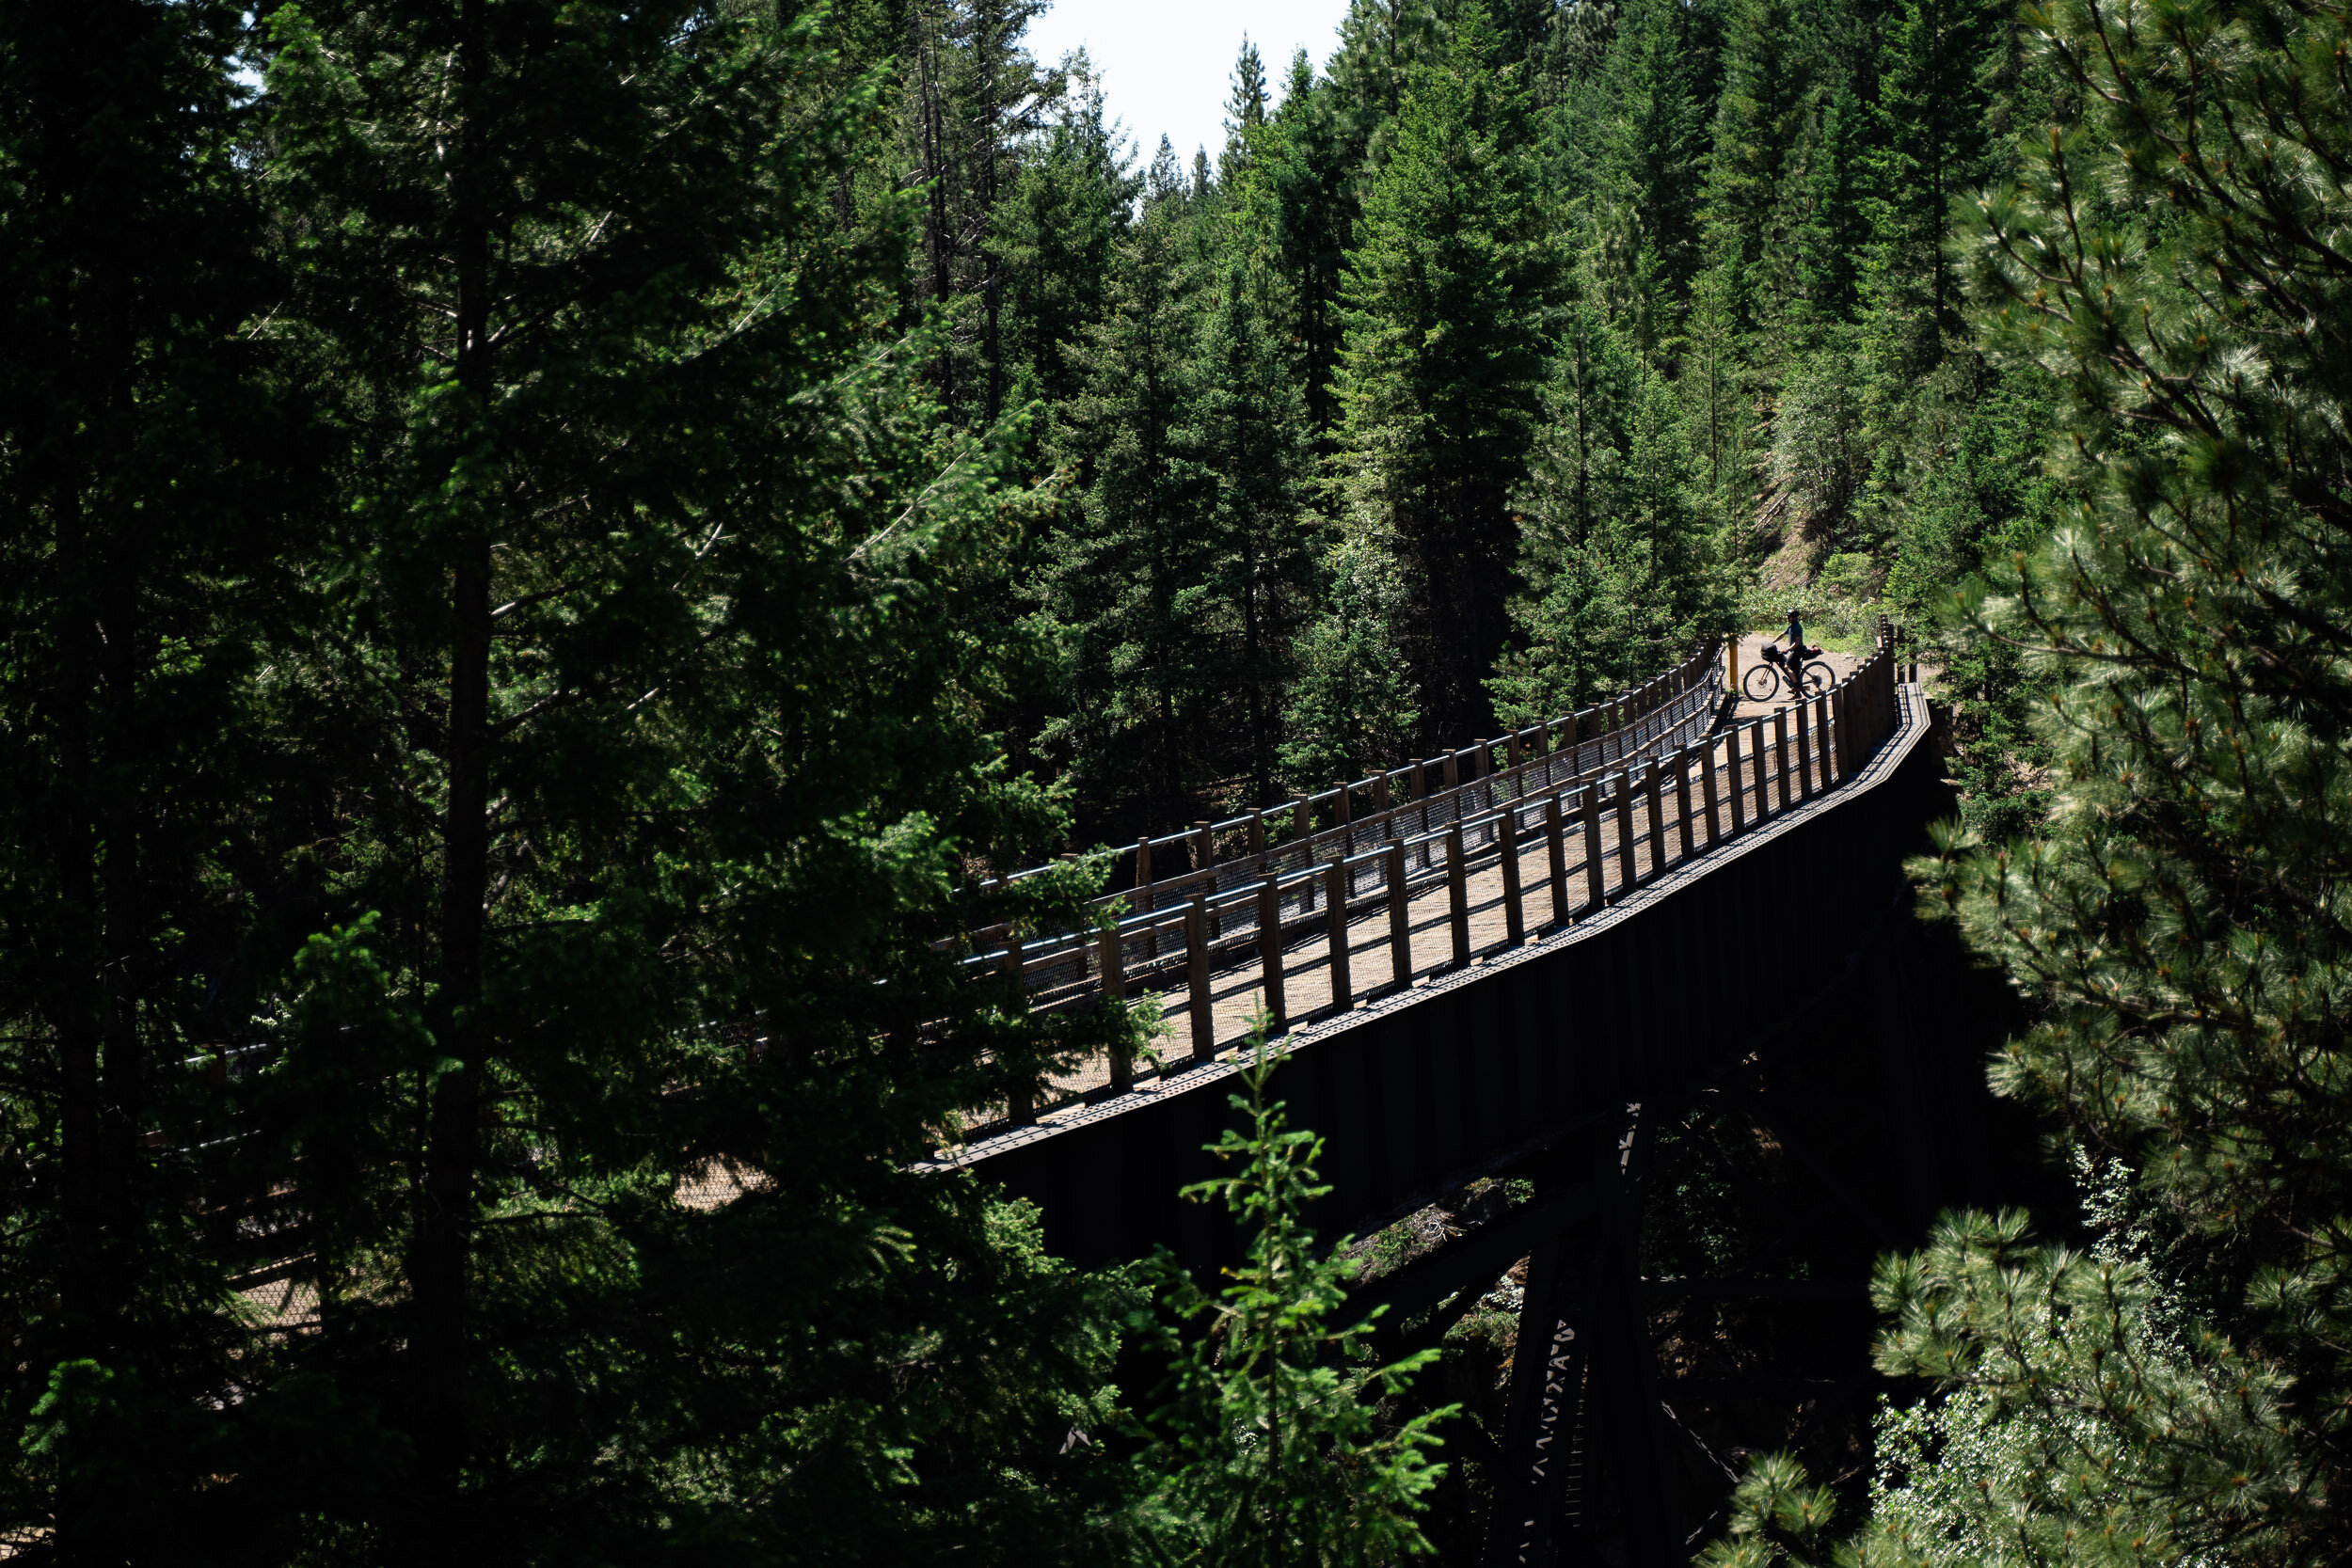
(1790, 664)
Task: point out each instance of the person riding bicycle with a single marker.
(1797, 653)
(1791, 662)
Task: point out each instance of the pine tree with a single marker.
(154, 464)
(1619, 557)
(2180, 923)
(1054, 237)
(1129, 586)
(1270, 1449)
(648, 661)
(1445, 294)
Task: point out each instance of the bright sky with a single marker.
(1170, 67)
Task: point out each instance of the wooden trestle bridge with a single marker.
(1551, 955)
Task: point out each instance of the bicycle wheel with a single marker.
(1762, 683)
(1819, 679)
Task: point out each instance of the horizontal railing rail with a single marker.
(1242, 850)
(1433, 885)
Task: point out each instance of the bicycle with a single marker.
(1763, 681)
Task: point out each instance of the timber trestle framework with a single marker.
(1424, 886)
(1594, 962)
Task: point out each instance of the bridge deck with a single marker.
(1744, 795)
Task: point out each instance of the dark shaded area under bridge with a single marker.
(1731, 1090)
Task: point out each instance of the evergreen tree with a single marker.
(1445, 295)
(1054, 237)
(1619, 560)
(2180, 925)
(153, 464)
(630, 668)
(1132, 566)
(1270, 1449)
(1353, 706)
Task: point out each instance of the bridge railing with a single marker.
(1217, 857)
(1435, 885)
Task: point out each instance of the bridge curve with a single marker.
(1572, 941)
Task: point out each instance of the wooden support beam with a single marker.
(1257, 835)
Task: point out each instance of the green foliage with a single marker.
(2180, 925)
(1353, 703)
(1271, 1447)
(1441, 367)
(1618, 557)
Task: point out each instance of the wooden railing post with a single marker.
(1596, 894)
(1112, 961)
(1780, 758)
(1400, 914)
(1682, 801)
(1821, 737)
(1731, 667)
(1144, 896)
(1556, 840)
(1514, 914)
(1625, 830)
(1257, 836)
(1342, 807)
(1203, 847)
(1511, 748)
(1657, 819)
(1270, 957)
(1731, 775)
(1707, 788)
(1804, 753)
(1457, 892)
(1335, 922)
(1759, 764)
(1421, 781)
(1380, 792)
(1196, 975)
(1450, 771)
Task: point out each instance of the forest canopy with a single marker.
(553, 547)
